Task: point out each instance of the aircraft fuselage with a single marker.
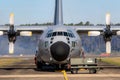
(58, 44)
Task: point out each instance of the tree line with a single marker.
(87, 23)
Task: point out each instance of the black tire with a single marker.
(92, 71)
(74, 71)
(39, 65)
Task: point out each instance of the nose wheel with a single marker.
(62, 67)
(39, 64)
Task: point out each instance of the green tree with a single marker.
(71, 24)
(79, 24)
(87, 23)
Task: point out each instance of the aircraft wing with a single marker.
(13, 31)
(106, 31)
(33, 29)
(4, 28)
(86, 29)
(18, 29)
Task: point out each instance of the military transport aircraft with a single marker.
(58, 43)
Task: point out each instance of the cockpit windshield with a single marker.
(60, 33)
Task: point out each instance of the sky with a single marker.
(74, 11)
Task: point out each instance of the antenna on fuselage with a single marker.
(58, 17)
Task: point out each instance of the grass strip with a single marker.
(112, 61)
(7, 62)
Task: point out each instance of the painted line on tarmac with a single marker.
(60, 75)
(65, 74)
(95, 75)
(30, 76)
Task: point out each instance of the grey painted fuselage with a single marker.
(52, 36)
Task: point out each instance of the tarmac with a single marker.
(26, 70)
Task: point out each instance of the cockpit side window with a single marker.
(49, 34)
(71, 35)
(65, 34)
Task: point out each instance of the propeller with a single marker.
(11, 34)
(107, 34)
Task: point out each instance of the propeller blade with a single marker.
(11, 19)
(93, 33)
(108, 19)
(108, 47)
(11, 47)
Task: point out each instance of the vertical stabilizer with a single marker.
(58, 18)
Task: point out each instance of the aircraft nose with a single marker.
(60, 51)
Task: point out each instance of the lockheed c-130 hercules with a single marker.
(58, 43)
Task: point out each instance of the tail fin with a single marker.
(58, 18)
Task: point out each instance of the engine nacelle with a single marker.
(25, 33)
(1, 33)
(118, 32)
(93, 33)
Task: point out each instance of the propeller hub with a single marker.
(107, 34)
